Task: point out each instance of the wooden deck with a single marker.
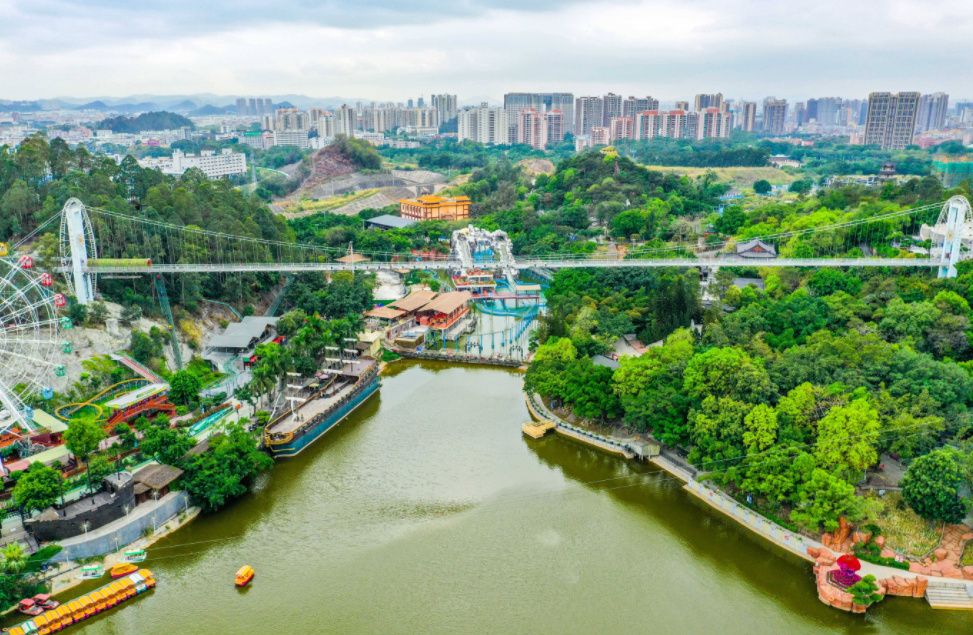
(538, 429)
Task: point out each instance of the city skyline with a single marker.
(373, 51)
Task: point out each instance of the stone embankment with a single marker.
(825, 561)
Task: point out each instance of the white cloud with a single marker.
(392, 50)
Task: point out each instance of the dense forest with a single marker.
(161, 120)
(788, 391)
(465, 156)
(38, 179)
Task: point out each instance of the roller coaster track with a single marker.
(65, 412)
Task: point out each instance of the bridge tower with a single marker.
(954, 219)
(77, 246)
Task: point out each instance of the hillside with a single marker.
(147, 121)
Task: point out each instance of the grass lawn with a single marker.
(310, 206)
(903, 529)
(740, 177)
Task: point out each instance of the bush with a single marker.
(37, 560)
(390, 356)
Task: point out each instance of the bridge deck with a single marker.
(520, 264)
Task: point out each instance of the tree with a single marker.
(215, 477)
(167, 445)
(184, 387)
(760, 427)
(824, 499)
(38, 488)
(545, 375)
(14, 558)
(651, 388)
(865, 591)
(99, 468)
(97, 313)
(847, 437)
(801, 187)
(931, 487)
(762, 187)
(130, 314)
(727, 372)
(82, 438)
(589, 390)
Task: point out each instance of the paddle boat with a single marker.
(134, 556)
(45, 601)
(122, 569)
(91, 572)
(29, 607)
(244, 576)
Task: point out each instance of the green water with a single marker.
(428, 512)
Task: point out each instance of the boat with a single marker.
(348, 388)
(44, 601)
(29, 607)
(91, 572)
(134, 556)
(244, 575)
(53, 620)
(123, 569)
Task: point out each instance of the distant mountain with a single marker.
(285, 104)
(183, 106)
(94, 105)
(129, 109)
(208, 110)
(146, 121)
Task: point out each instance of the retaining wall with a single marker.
(123, 531)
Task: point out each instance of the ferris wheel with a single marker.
(29, 339)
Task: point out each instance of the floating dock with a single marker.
(538, 429)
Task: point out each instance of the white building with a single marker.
(291, 138)
(214, 166)
(484, 125)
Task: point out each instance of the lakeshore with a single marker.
(430, 488)
(945, 592)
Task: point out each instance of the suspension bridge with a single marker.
(97, 241)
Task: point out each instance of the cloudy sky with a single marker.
(395, 49)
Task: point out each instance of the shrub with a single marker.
(865, 591)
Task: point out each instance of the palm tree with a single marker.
(14, 558)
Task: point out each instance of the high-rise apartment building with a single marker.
(748, 115)
(538, 129)
(345, 120)
(708, 101)
(446, 106)
(513, 103)
(622, 128)
(811, 110)
(682, 105)
(634, 105)
(241, 107)
(800, 114)
(268, 106)
(588, 114)
(290, 119)
(255, 109)
(932, 112)
(612, 108)
(827, 113)
(891, 120)
(775, 115)
(601, 136)
(683, 124)
(483, 125)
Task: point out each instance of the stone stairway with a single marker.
(946, 595)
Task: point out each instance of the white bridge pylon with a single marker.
(951, 237)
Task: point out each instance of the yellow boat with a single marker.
(122, 569)
(85, 606)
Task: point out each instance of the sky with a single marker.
(394, 50)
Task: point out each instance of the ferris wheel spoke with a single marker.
(30, 358)
(31, 326)
(10, 340)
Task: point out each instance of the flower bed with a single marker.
(843, 578)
